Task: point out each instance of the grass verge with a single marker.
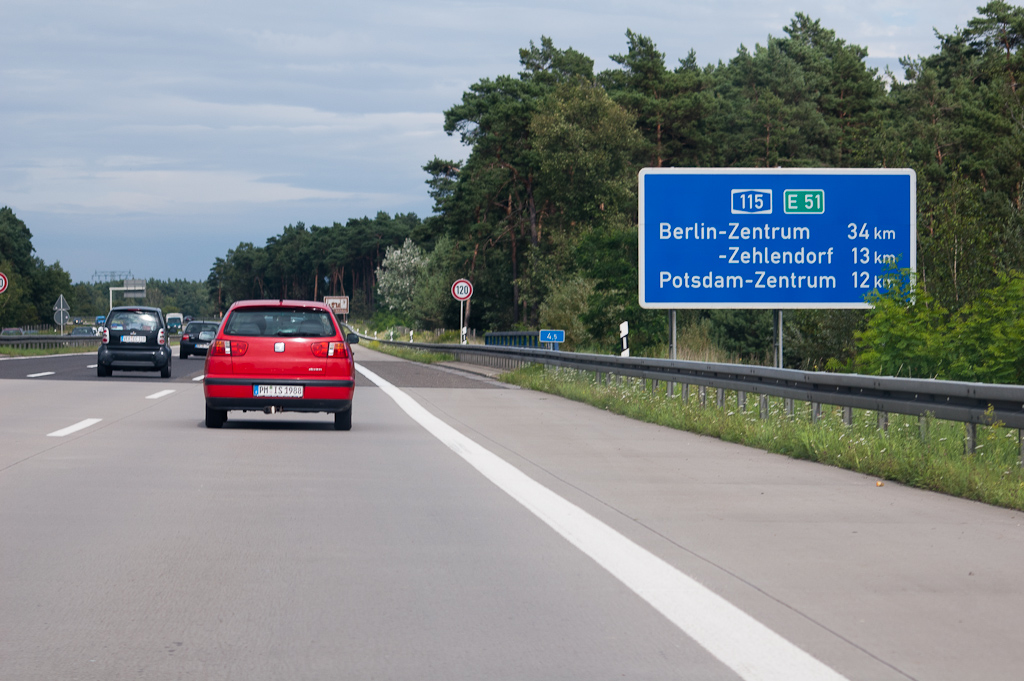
(932, 458)
(42, 352)
(423, 356)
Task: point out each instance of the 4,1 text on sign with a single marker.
(773, 238)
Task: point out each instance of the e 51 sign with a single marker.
(773, 238)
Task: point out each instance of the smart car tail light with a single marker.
(161, 337)
(106, 335)
(333, 350)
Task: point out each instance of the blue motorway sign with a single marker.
(552, 336)
(773, 238)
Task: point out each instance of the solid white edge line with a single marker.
(74, 429)
(752, 650)
(157, 396)
(41, 374)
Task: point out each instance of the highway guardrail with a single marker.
(48, 341)
(970, 403)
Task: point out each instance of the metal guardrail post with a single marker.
(883, 421)
(741, 400)
(721, 398)
(763, 407)
(848, 415)
(702, 393)
(971, 437)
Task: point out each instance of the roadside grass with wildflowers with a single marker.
(933, 457)
(422, 356)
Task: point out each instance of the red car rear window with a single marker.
(282, 322)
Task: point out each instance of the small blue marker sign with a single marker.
(552, 336)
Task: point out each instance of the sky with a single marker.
(152, 136)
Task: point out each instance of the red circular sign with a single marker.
(462, 290)
(3, 282)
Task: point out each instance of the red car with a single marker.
(280, 355)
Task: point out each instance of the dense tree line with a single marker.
(309, 263)
(33, 286)
(542, 213)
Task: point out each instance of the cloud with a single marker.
(71, 188)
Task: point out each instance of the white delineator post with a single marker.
(624, 335)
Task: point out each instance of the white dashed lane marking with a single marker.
(157, 396)
(42, 373)
(81, 425)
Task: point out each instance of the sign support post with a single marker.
(462, 290)
(672, 334)
(778, 343)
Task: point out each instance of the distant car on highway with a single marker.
(174, 322)
(280, 355)
(134, 339)
(82, 331)
(12, 331)
(196, 338)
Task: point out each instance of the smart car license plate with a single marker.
(277, 391)
(133, 339)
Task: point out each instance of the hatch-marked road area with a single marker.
(139, 544)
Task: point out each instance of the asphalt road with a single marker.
(552, 541)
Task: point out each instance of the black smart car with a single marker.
(196, 338)
(134, 339)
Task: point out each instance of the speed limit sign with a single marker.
(3, 282)
(462, 290)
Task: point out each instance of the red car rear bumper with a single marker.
(237, 394)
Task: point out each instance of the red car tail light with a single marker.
(106, 335)
(225, 348)
(161, 337)
(334, 350)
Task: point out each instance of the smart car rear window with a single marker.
(133, 320)
(279, 322)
